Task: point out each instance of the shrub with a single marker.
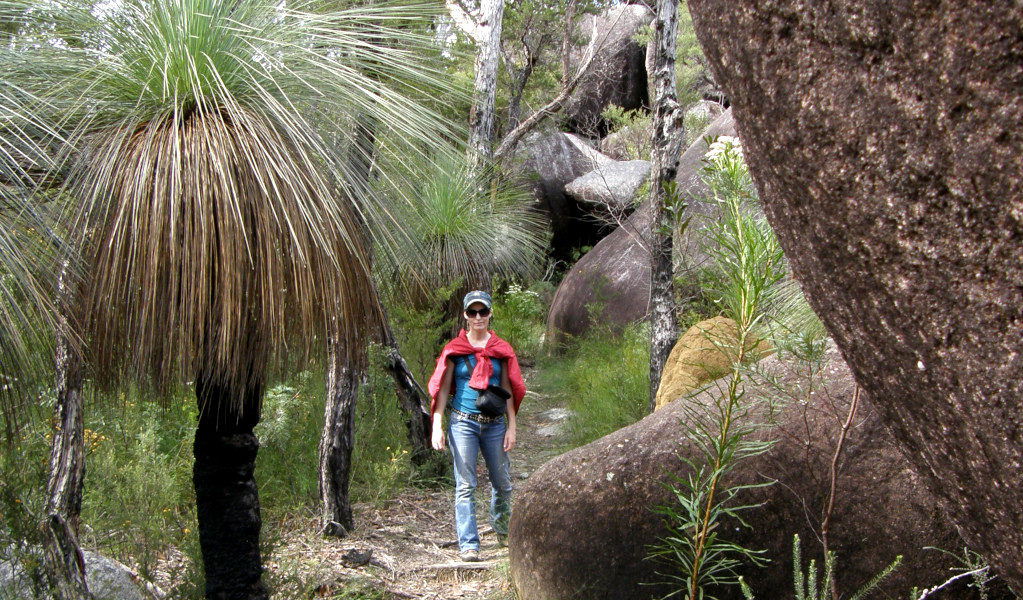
(519, 318)
(138, 496)
(289, 434)
(745, 265)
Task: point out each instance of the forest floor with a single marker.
(405, 547)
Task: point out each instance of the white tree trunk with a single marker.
(666, 146)
(488, 52)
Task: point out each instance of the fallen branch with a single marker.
(950, 581)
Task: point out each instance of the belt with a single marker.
(475, 417)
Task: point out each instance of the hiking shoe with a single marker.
(470, 556)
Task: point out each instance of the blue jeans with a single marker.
(467, 439)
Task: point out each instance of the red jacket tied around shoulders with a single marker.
(495, 348)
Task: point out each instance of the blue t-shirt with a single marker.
(464, 397)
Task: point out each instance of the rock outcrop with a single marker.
(885, 141)
(618, 72)
(615, 274)
(610, 186)
(549, 162)
(583, 522)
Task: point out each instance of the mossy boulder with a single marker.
(704, 353)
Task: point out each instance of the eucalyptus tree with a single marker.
(666, 150)
(533, 41)
(217, 218)
(481, 21)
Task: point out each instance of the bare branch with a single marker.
(552, 107)
(950, 581)
(825, 525)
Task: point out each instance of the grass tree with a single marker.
(28, 253)
(466, 227)
(33, 317)
(215, 207)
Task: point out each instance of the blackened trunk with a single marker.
(666, 151)
(336, 444)
(63, 564)
(226, 498)
(412, 399)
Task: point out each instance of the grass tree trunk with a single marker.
(63, 564)
(412, 399)
(336, 444)
(481, 115)
(226, 497)
(666, 149)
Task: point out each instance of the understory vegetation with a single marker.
(139, 503)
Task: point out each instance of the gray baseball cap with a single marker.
(476, 296)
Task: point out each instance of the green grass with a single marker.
(604, 378)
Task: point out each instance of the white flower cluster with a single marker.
(723, 146)
(516, 290)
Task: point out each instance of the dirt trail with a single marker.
(407, 549)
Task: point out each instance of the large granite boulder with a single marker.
(618, 72)
(583, 522)
(548, 162)
(615, 273)
(885, 140)
(611, 186)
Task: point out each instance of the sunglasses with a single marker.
(472, 312)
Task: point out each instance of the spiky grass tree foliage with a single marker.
(466, 227)
(213, 196)
(28, 253)
(27, 262)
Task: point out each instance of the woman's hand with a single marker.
(509, 437)
(438, 432)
